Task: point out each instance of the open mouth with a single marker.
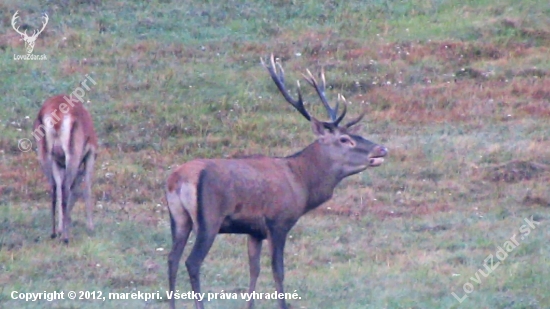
(376, 161)
(377, 155)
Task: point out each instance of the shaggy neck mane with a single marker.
(315, 170)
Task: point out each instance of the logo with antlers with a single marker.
(29, 40)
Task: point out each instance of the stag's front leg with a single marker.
(254, 253)
(277, 246)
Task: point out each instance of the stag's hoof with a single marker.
(54, 235)
(66, 241)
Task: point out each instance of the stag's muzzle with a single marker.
(377, 155)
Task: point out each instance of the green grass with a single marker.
(458, 92)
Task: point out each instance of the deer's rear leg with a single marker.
(58, 174)
(54, 204)
(181, 228)
(205, 238)
(87, 194)
(71, 173)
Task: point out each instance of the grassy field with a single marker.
(459, 91)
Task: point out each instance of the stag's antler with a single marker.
(277, 74)
(332, 112)
(354, 121)
(279, 79)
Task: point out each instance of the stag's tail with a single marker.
(182, 194)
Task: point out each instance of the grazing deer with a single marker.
(67, 146)
(262, 196)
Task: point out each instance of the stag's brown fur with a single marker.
(67, 145)
(260, 196)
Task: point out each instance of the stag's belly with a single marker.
(254, 226)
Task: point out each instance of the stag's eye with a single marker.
(344, 140)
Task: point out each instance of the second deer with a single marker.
(67, 146)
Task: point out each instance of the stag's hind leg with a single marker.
(181, 225)
(58, 173)
(254, 254)
(72, 164)
(54, 190)
(88, 171)
(75, 191)
(205, 238)
(209, 220)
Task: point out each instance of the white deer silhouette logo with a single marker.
(29, 40)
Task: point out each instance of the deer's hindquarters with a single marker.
(66, 150)
(181, 193)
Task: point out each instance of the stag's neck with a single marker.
(316, 172)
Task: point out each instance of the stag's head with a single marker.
(29, 40)
(340, 142)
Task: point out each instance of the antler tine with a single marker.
(279, 80)
(341, 97)
(332, 112)
(278, 68)
(354, 121)
(324, 87)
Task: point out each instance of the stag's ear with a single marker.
(318, 128)
(354, 129)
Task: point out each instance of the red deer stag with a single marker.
(67, 146)
(262, 196)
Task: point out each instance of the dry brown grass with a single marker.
(462, 101)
